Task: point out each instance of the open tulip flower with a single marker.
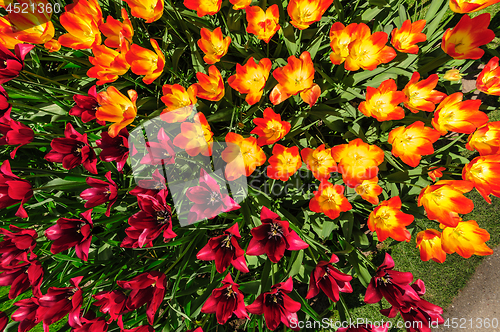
(484, 173)
(240, 4)
(150, 10)
(369, 190)
(115, 107)
(429, 243)
(467, 6)
(488, 80)
(161, 152)
(330, 200)
(16, 246)
(15, 133)
(101, 192)
(203, 7)
(12, 64)
(108, 64)
(145, 62)
(319, 161)
(405, 39)
(436, 172)
(82, 27)
(114, 148)
(284, 162)
(329, 279)
(250, 79)
(263, 24)
(382, 102)
(388, 221)
(195, 137)
(304, 12)
(179, 101)
(211, 86)
(21, 277)
(112, 303)
(342, 36)
(466, 239)
(242, 155)
(270, 128)
(486, 139)
(115, 30)
(213, 44)
(420, 95)
(86, 106)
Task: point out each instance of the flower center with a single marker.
(226, 242)
(275, 231)
(163, 216)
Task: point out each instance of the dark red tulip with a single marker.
(161, 152)
(16, 245)
(13, 190)
(11, 64)
(72, 151)
(114, 148)
(225, 250)
(15, 133)
(364, 328)
(112, 303)
(276, 306)
(273, 237)
(329, 279)
(146, 225)
(3, 320)
(86, 106)
(225, 301)
(5, 106)
(100, 193)
(20, 277)
(69, 233)
(92, 325)
(58, 302)
(198, 329)
(148, 287)
(150, 187)
(394, 286)
(28, 314)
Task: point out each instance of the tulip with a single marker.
(15, 133)
(114, 148)
(213, 44)
(198, 329)
(101, 192)
(329, 279)
(210, 87)
(86, 7)
(180, 103)
(319, 161)
(142, 328)
(405, 39)
(458, 116)
(92, 325)
(486, 139)
(20, 277)
(467, 6)
(304, 12)
(466, 239)
(242, 156)
(27, 314)
(225, 301)
(435, 172)
(13, 190)
(488, 80)
(429, 243)
(276, 306)
(11, 65)
(112, 303)
(16, 245)
(150, 10)
(195, 137)
(382, 102)
(52, 45)
(368, 50)
(284, 162)
(86, 106)
(420, 96)
(8, 33)
(365, 328)
(250, 79)
(5, 106)
(452, 75)
(463, 41)
(150, 187)
(342, 36)
(73, 150)
(83, 31)
(444, 200)
(369, 190)
(412, 142)
(240, 4)
(330, 200)
(270, 128)
(145, 62)
(114, 30)
(484, 173)
(388, 221)
(4, 319)
(148, 287)
(263, 24)
(161, 152)
(115, 107)
(203, 7)
(108, 64)
(273, 237)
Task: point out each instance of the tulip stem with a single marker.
(272, 275)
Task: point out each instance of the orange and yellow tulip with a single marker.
(211, 86)
(486, 139)
(296, 77)
(429, 244)
(242, 156)
(117, 108)
(86, 7)
(444, 200)
(420, 96)
(382, 102)
(240, 4)
(463, 41)
(342, 36)
(405, 39)
(470, 6)
(179, 102)
(452, 75)
(466, 239)
(263, 24)
(488, 80)
(357, 161)
(250, 79)
(150, 10)
(369, 190)
(83, 31)
(114, 29)
(412, 142)
(108, 64)
(52, 45)
(458, 116)
(213, 44)
(484, 173)
(388, 221)
(319, 161)
(368, 50)
(270, 128)
(436, 172)
(305, 12)
(8, 33)
(330, 200)
(203, 7)
(146, 62)
(195, 137)
(284, 162)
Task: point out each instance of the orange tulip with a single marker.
(388, 221)
(178, 100)
(436, 172)
(263, 24)
(81, 19)
(240, 4)
(330, 200)
(444, 200)
(342, 36)
(319, 161)
(305, 12)
(113, 29)
(368, 51)
(420, 96)
(369, 190)
(484, 173)
(204, 7)
(470, 6)
(488, 80)
(115, 107)
(382, 102)
(405, 39)
(357, 161)
(250, 79)
(459, 116)
(108, 64)
(195, 137)
(270, 128)
(145, 62)
(8, 33)
(284, 162)
(463, 41)
(452, 75)
(466, 239)
(296, 77)
(52, 45)
(252, 156)
(86, 7)
(486, 139)
(429, 243)
(213, 44)
(150, 10)
(412, 142)
(210, 87)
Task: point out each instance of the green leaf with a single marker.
(347, 224)
(297, 263)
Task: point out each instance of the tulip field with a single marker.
(239, 165)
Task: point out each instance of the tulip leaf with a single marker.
(347, 224)
(304, 305)
(297, 263)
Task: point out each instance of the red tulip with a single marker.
(92, 325)
(365, 328)
(27, 314)
(86, 106)
(114, 148)
(161, 152)
(5, 106)
(15, 133)
(329, 279)
(20, 277)
(3, 320)
(112, 303)
(13, 190)
(100, 193)
(16, 245)
(150, 187)
(11, 65)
